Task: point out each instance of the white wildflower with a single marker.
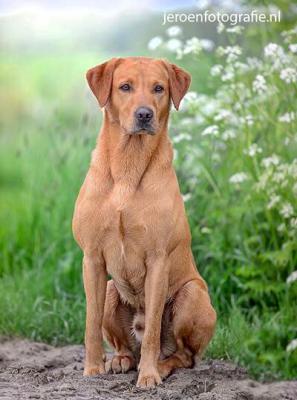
(173, 45)
(253, 150)
(289, 75)
(249, 119)
(293, 344)
(254, 63)
(228, 134)
(205, 230)
(292, 278)
(228, 74)
(274, 200)
(281, 228)
(191, 96)
(182, 136)
(154, 43)
(189, 99)
(238, 178)
(192, 45)
(287, 117)
(293, 47)
(287, 210)
(216, 70)
(272, 160)
(295, 189)
(186, 197)
(212, 130)
(259, 84)
(174, 31)
(273, 50)
(293, 223)
(237, 30)
(232, 53)
(223, 115)
(207, 44)
(292, 169)
(241, 67)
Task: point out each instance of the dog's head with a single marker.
(137, 91)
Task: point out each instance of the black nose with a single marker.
(144, 114)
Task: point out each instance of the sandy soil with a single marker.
(38, 371)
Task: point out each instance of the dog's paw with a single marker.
(120, 364)
(94, 370)
(148, 379)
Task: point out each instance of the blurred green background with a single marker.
(230, 124)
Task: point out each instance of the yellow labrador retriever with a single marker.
(130, 222)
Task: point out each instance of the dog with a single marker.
(130, 222)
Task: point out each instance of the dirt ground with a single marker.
(38, 371)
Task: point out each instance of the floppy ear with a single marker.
(179, 82)
(100, 80)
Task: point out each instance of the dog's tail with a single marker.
(138, 326)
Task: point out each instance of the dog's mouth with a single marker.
(145, 129)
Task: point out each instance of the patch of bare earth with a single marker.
(31, 370)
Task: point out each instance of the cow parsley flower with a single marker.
(228, 74)
(259, 84)
(223, 115)
(238, 178)
(237, 30)
(207, 44)
(293, 344)
(292, 278)
(154, 43)
(212, 130)
(293, 48)
(174, 31)
(186, 197)
(274, 200)
(216, 70)
(174, 45)
(228, 134)
(253, 150)
(181, 137)
(289, 75)
(273, 50)
(281, 228)
(272, 160)
(287, 210)
(254, 63)
(193, 45)
(287, 117)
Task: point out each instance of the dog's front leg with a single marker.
(95, 280)
(156, 287)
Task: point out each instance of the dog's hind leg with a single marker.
(117, 330)
(193, 323)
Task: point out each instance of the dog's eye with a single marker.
(125, 87)
(158, 89)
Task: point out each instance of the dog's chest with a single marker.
(124, 248)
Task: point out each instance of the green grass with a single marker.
(49, 127)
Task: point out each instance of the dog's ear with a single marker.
(100, 80)
(179, 82)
